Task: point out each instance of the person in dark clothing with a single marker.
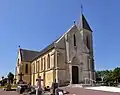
(54, 86)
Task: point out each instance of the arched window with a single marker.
(74, 38)
(26, 68)
(44, 63)
(18, 62)
(34, 66)
(41, 64)
(87, 42)
(48, 61)
(38, 66)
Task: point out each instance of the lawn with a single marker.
(12, 86)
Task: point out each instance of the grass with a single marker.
(2, 87)
(12, 86)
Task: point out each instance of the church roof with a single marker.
(83, 24)
(30, 55)
(27, 55)
(51, 46)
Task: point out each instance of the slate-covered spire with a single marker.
(83, 24)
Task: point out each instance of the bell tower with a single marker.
(86, 32)
(87, 37)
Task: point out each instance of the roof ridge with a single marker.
(74, 25)
(29, 50)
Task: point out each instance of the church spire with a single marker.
(83, 24)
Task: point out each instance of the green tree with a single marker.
(10, 77)
(108, 79)
(2, 77)
(116, 74)
(106, 76)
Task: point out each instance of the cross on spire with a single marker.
(19, 46)
(83, 24)
(74, 21)
(81, 9)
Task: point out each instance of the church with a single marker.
(68, 60)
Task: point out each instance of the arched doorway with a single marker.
(75, 75)
(75, 71)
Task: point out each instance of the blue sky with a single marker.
(34, 24)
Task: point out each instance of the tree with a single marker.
(10, 77)
(105, 76)
(116, 74)
(2, 77)
(109, 77)
(2, 81)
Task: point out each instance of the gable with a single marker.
(27, 55)
(18, 58)
(60, 41)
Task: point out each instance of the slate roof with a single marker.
(83, 24)
(49, 47)
(27, 55)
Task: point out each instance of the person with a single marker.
(39, 89)
(29, 86)
(54, 86)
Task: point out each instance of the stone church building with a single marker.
(69, 59)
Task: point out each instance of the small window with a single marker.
(18, 62)
(52, 60)
(41, 64)
(87, 42)
(38, 66)
(26, 69)
(74, 38)
(44, 63)
(32, 68)
(48, 61)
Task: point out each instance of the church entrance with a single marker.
(75, 75)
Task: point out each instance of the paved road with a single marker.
(81, 91)
(2, 92)
(76, 91)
